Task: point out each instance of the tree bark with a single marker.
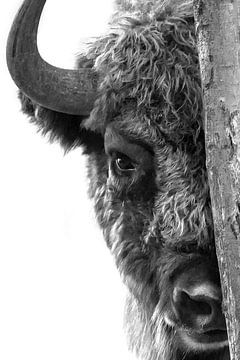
(218, 37)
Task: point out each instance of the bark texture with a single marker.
(218, 34)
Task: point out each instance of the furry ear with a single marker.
(61, 127)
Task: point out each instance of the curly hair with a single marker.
(150, 61)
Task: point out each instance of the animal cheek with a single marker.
(115, 236)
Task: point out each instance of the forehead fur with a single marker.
(155, 7)
(149, 64)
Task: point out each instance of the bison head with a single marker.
(135, 105)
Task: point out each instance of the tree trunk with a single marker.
(218, 36)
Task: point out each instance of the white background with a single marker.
(60, 294)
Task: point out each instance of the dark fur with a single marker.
(157, 222)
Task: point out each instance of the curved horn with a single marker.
(67, 91)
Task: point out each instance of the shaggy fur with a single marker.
(157, 219)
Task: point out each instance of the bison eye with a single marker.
(123, 164)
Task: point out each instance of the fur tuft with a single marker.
(152, 64)
(63, 128)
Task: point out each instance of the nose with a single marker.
(198, 306)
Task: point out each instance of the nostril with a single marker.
(197, 306)
(197, 309)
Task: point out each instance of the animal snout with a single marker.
(197, 300)
(199, 307)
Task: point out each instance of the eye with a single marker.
(124, 164)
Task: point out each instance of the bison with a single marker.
(134, 104)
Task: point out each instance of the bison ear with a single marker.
(63, 128)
